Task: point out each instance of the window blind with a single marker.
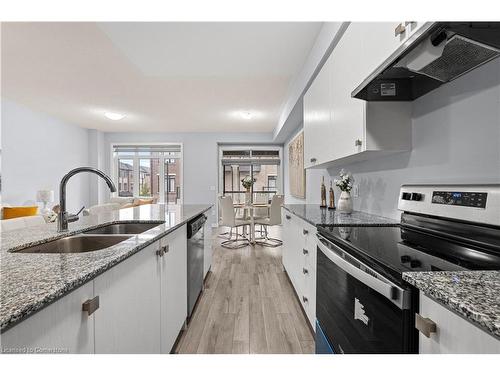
(147, 148)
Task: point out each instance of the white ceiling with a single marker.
(187, 77)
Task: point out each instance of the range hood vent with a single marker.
(441, 53)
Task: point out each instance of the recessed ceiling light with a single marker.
(246, 115)
(114, 116)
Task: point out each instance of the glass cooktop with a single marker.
(400, 249)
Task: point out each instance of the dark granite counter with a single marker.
(29, 282)
(315, 215)
(475, 295)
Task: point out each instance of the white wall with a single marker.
(456, 139)
(200, 157)
(313, 179)
(37, 150)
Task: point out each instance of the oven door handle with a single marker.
(384, 287)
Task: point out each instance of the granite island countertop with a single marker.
(475, 295)
(315, 215)
(29, 282)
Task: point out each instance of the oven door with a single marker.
(358, 309)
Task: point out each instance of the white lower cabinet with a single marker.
(137, 306)
(453, 334)
(128, 318)
(61, 327)
(299, 260)
(173, 287)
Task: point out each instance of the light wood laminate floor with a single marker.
(248, 306)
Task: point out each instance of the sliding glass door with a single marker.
(263, 165)
(149, 171)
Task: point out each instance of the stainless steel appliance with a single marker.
(436, 53)
(195, 249)
(362, 303)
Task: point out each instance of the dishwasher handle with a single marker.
(195, 225)
(372, 279)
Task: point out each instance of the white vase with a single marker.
(345, 203)
(248, 198)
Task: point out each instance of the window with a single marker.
(149, 171)
(263, 165)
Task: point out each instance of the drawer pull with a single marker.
(91, 305)
(313, 160)
(424, 325)
(400, 29)
(305, 299)
(165, 249)
(305, 271)
(358, 142)
(305, 232)
(305, 251)
(288, 217)
(159, 252)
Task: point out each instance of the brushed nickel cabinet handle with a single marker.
(91, 305)
(304, 299)
(165, 249)
(305, 271)
(358, 142)
(305, 232)
(159, 252)
(305, 251)
(400, 29)
(313, 160)
(425, 325)
(288, 217)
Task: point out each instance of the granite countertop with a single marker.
(315, 215)
(29, 282)
(475, 295)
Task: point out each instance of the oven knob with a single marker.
(416, 196)
(406, 196)
(414, 263)
(405, 258)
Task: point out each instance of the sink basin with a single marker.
(75, 244)
(123, 228)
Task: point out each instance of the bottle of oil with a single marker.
(331, 205)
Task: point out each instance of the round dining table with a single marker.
(249, 211)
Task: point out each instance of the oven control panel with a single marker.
(472, 203)
(460, 198)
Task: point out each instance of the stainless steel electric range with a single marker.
(362, 303)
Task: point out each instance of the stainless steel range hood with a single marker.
(437, 53)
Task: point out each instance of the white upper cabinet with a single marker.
(339, 128)
(317, 113)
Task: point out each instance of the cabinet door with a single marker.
(379, 42)
(61, 327)
(454, 334)
(347, 124)
(173, 287)
(128, 319)
(317, 102)
(287, 240)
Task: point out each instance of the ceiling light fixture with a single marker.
(246, 115)
(114, 116)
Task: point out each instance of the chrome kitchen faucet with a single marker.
(63, 217)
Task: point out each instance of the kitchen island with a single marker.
(32, 282)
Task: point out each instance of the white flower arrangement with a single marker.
(247, 182)
(345, 181)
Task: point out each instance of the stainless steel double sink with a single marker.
(92, 239)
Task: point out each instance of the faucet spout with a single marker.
(63, 216)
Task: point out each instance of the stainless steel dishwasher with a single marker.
(195, 250)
